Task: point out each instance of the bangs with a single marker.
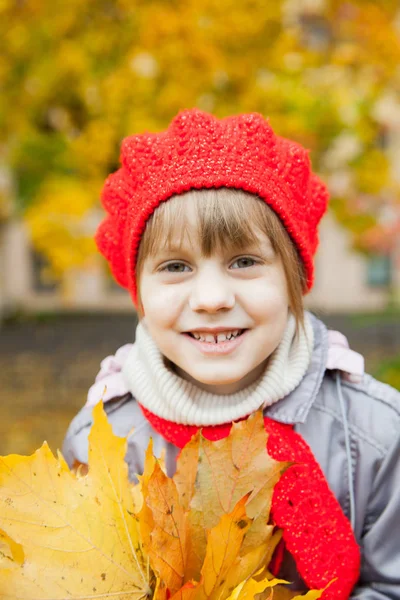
(225, 218)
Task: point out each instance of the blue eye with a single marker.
(175, 267)
(244, 262)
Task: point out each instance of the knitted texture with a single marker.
(200, 151)
(315, 530)
(167, 395)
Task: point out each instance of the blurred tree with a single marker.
(77, 77)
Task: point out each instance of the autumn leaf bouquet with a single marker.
(203, 534)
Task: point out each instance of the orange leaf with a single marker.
(187, 592)
(228, 470)
(139, 492)
(169, 542)
(186, 471)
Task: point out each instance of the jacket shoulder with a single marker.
(123, 413)
(380, 392)
(371, 407)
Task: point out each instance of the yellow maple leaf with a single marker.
(247, 590)
(78, 536)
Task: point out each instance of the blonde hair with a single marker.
(225, 216)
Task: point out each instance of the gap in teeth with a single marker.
(217, 338)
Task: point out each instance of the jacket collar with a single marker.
(294, 408)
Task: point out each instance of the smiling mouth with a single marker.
(216, 338)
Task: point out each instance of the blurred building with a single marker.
(346, 281)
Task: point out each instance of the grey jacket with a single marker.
(354, 433)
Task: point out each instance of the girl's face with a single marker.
(217, 318)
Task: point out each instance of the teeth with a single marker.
(209, 338)
(218, 338)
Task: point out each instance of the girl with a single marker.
(212, 226)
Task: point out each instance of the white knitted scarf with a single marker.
(170, 397)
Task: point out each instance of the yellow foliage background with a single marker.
(78, 77)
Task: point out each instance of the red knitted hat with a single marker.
(200, 151)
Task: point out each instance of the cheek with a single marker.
(267, 298)
(161, 304)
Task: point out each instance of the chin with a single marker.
(216, 378)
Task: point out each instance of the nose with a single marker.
(211, 291)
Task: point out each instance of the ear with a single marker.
(140, 309)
